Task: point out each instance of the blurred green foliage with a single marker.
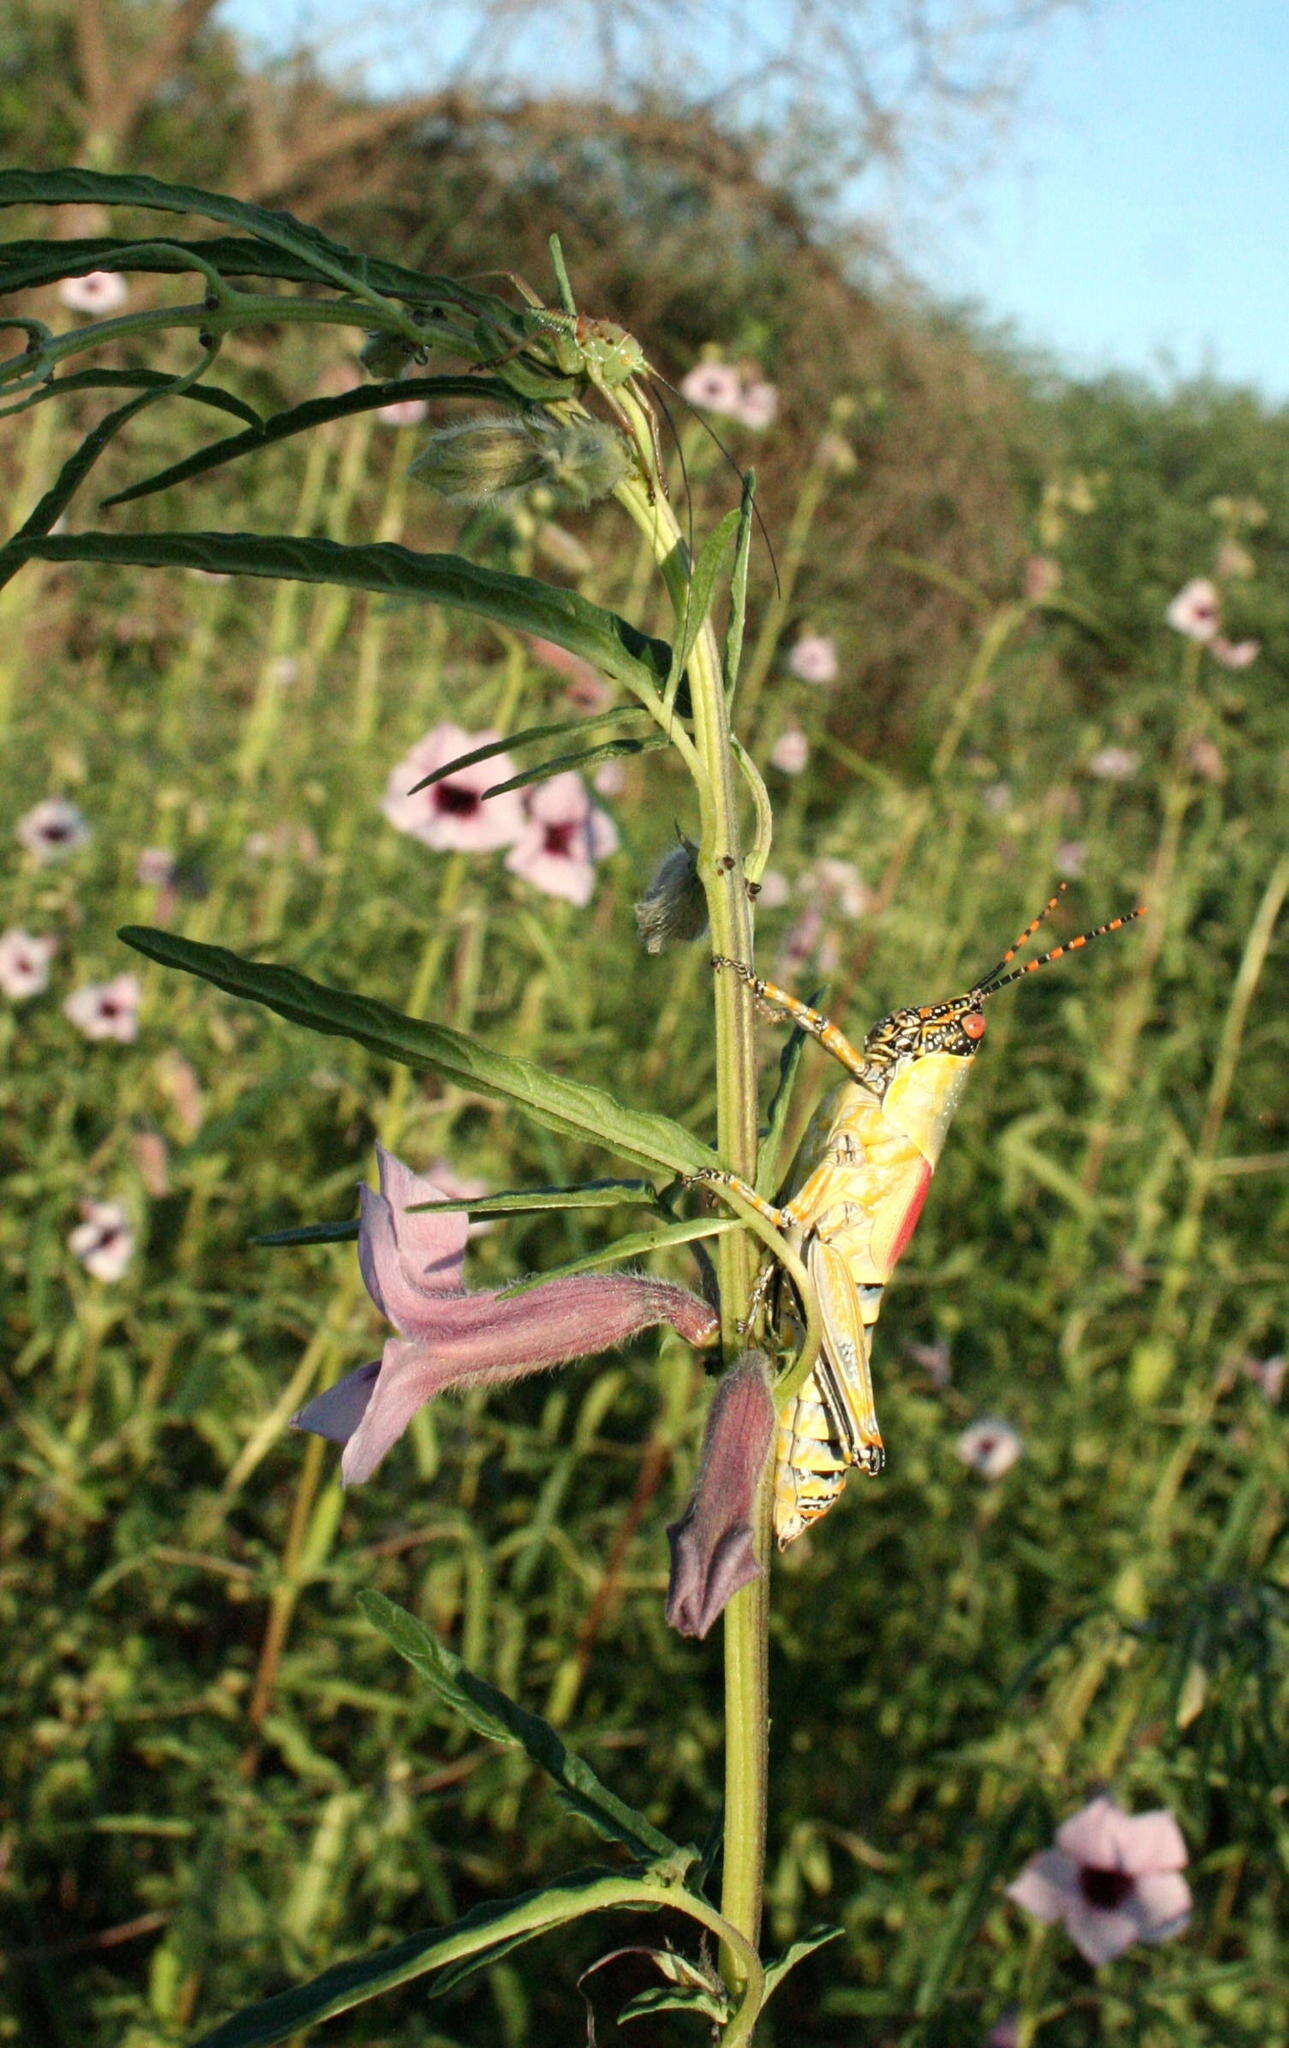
(218, 1777)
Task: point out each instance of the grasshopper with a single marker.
(856, 1190)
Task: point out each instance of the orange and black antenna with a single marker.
(997, 978)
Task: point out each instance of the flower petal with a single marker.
(1150, 1842)
(1160, 1905)
(408, 1263)
(713, 1552)
(337, 1413)
(480, 1339)
(1047, 1886)
(432, 1248)
(1099, 1934)
(1094, 1835)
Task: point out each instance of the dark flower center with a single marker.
(109, 1008)
(559, 839)
(1103, 1888)
(54, 833)
(456, 801)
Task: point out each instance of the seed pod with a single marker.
(673, 909)
(485, 459)
(385, 355)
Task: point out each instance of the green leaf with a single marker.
(596, 1194)
(946, 579)
(701, 591)
(492, 1713)
(738, 583)
(137, 380)
(530, 736)
(633, 1246)
(797, 1951)
(560, 764)
(714, 2005)
(768, 1164)
(968, 1906)
(25, 264)
(298, 419)
(483, 1933)
(322, 257)
(555, 1100)
(603, 639)
(591, 1194)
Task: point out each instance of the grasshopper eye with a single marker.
(974, 1024)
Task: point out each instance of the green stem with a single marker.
(722, 873)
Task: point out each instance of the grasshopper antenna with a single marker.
(1115, 924)
(712, 435)
(567, 301)
(684, 468)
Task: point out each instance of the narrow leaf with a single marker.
(605, 640)
(212, 395)
(299, 419)
(592, 1194)
(483, 1931)
(738, 584)
(560, 764)
(967, 1908)
(516, 742)
(309, 1233)
(796, 1952)
(492, 1713)
(946, 579)
(702, 589)
(25, 264)
(633, 1246)
(552, 1099)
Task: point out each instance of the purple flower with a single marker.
(716, 387)
(106, 1009)
(1113, 1878)
(24, 964)
(104, 1242)
(990, 1447)
(452, 816)
(1196, 609)
(563, 837)
(411, 1265)
(712, 1546)
(814, 659)
(51, 829)
(98, 291)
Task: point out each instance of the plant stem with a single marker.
(720, 868)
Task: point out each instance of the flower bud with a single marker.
(385, 355)
(673, 909)
(480, 461)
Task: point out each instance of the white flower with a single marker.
(610, 778)
(1071, 859)
(24, 964)
(990, 1446)
(454, 816)
(1268, 1376)
(814, 659)
(1234, 653)
(839, 882)
(51, 830)
(104, 1242)
(403, 412)
(1113, 1878)
(106, 1009)
(1196, 609)
(715, 387)
(774, 891)
(759, 407)
(99, 291)
(155, 868)
(564, 836)
(1114, 764)
(791, 751)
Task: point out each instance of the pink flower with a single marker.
(1005, 2032)
(104, 1242)
(106, 1009)
(564, 835)
(759, 407)
(814, 659)
(775, 890)
(51, 830)
(997, 798)
(98, 291)
(839, 883)
(990, 1447)
(712, 1549)
(1268, 1376)
(461, 1187)
(1234, 653)
(453, 815)
(411, 1262)
(1113, 1878)
(1042, 577)
(1114, 764)
(934, 1359)
(1196, 609)
(155, 868)
(791, 751)
(715, 387)
(609, 779)
(24, 964)
(403, 412)
(1205, 760)
(1071, 859)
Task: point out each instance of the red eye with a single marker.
(974, 1024)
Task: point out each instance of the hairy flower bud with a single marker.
(480, 461)
(385, 355)
(673, 908)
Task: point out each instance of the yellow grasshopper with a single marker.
(856, 1190)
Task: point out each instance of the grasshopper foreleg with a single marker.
(778, 1000)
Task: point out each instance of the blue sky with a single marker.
(1136, 215)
